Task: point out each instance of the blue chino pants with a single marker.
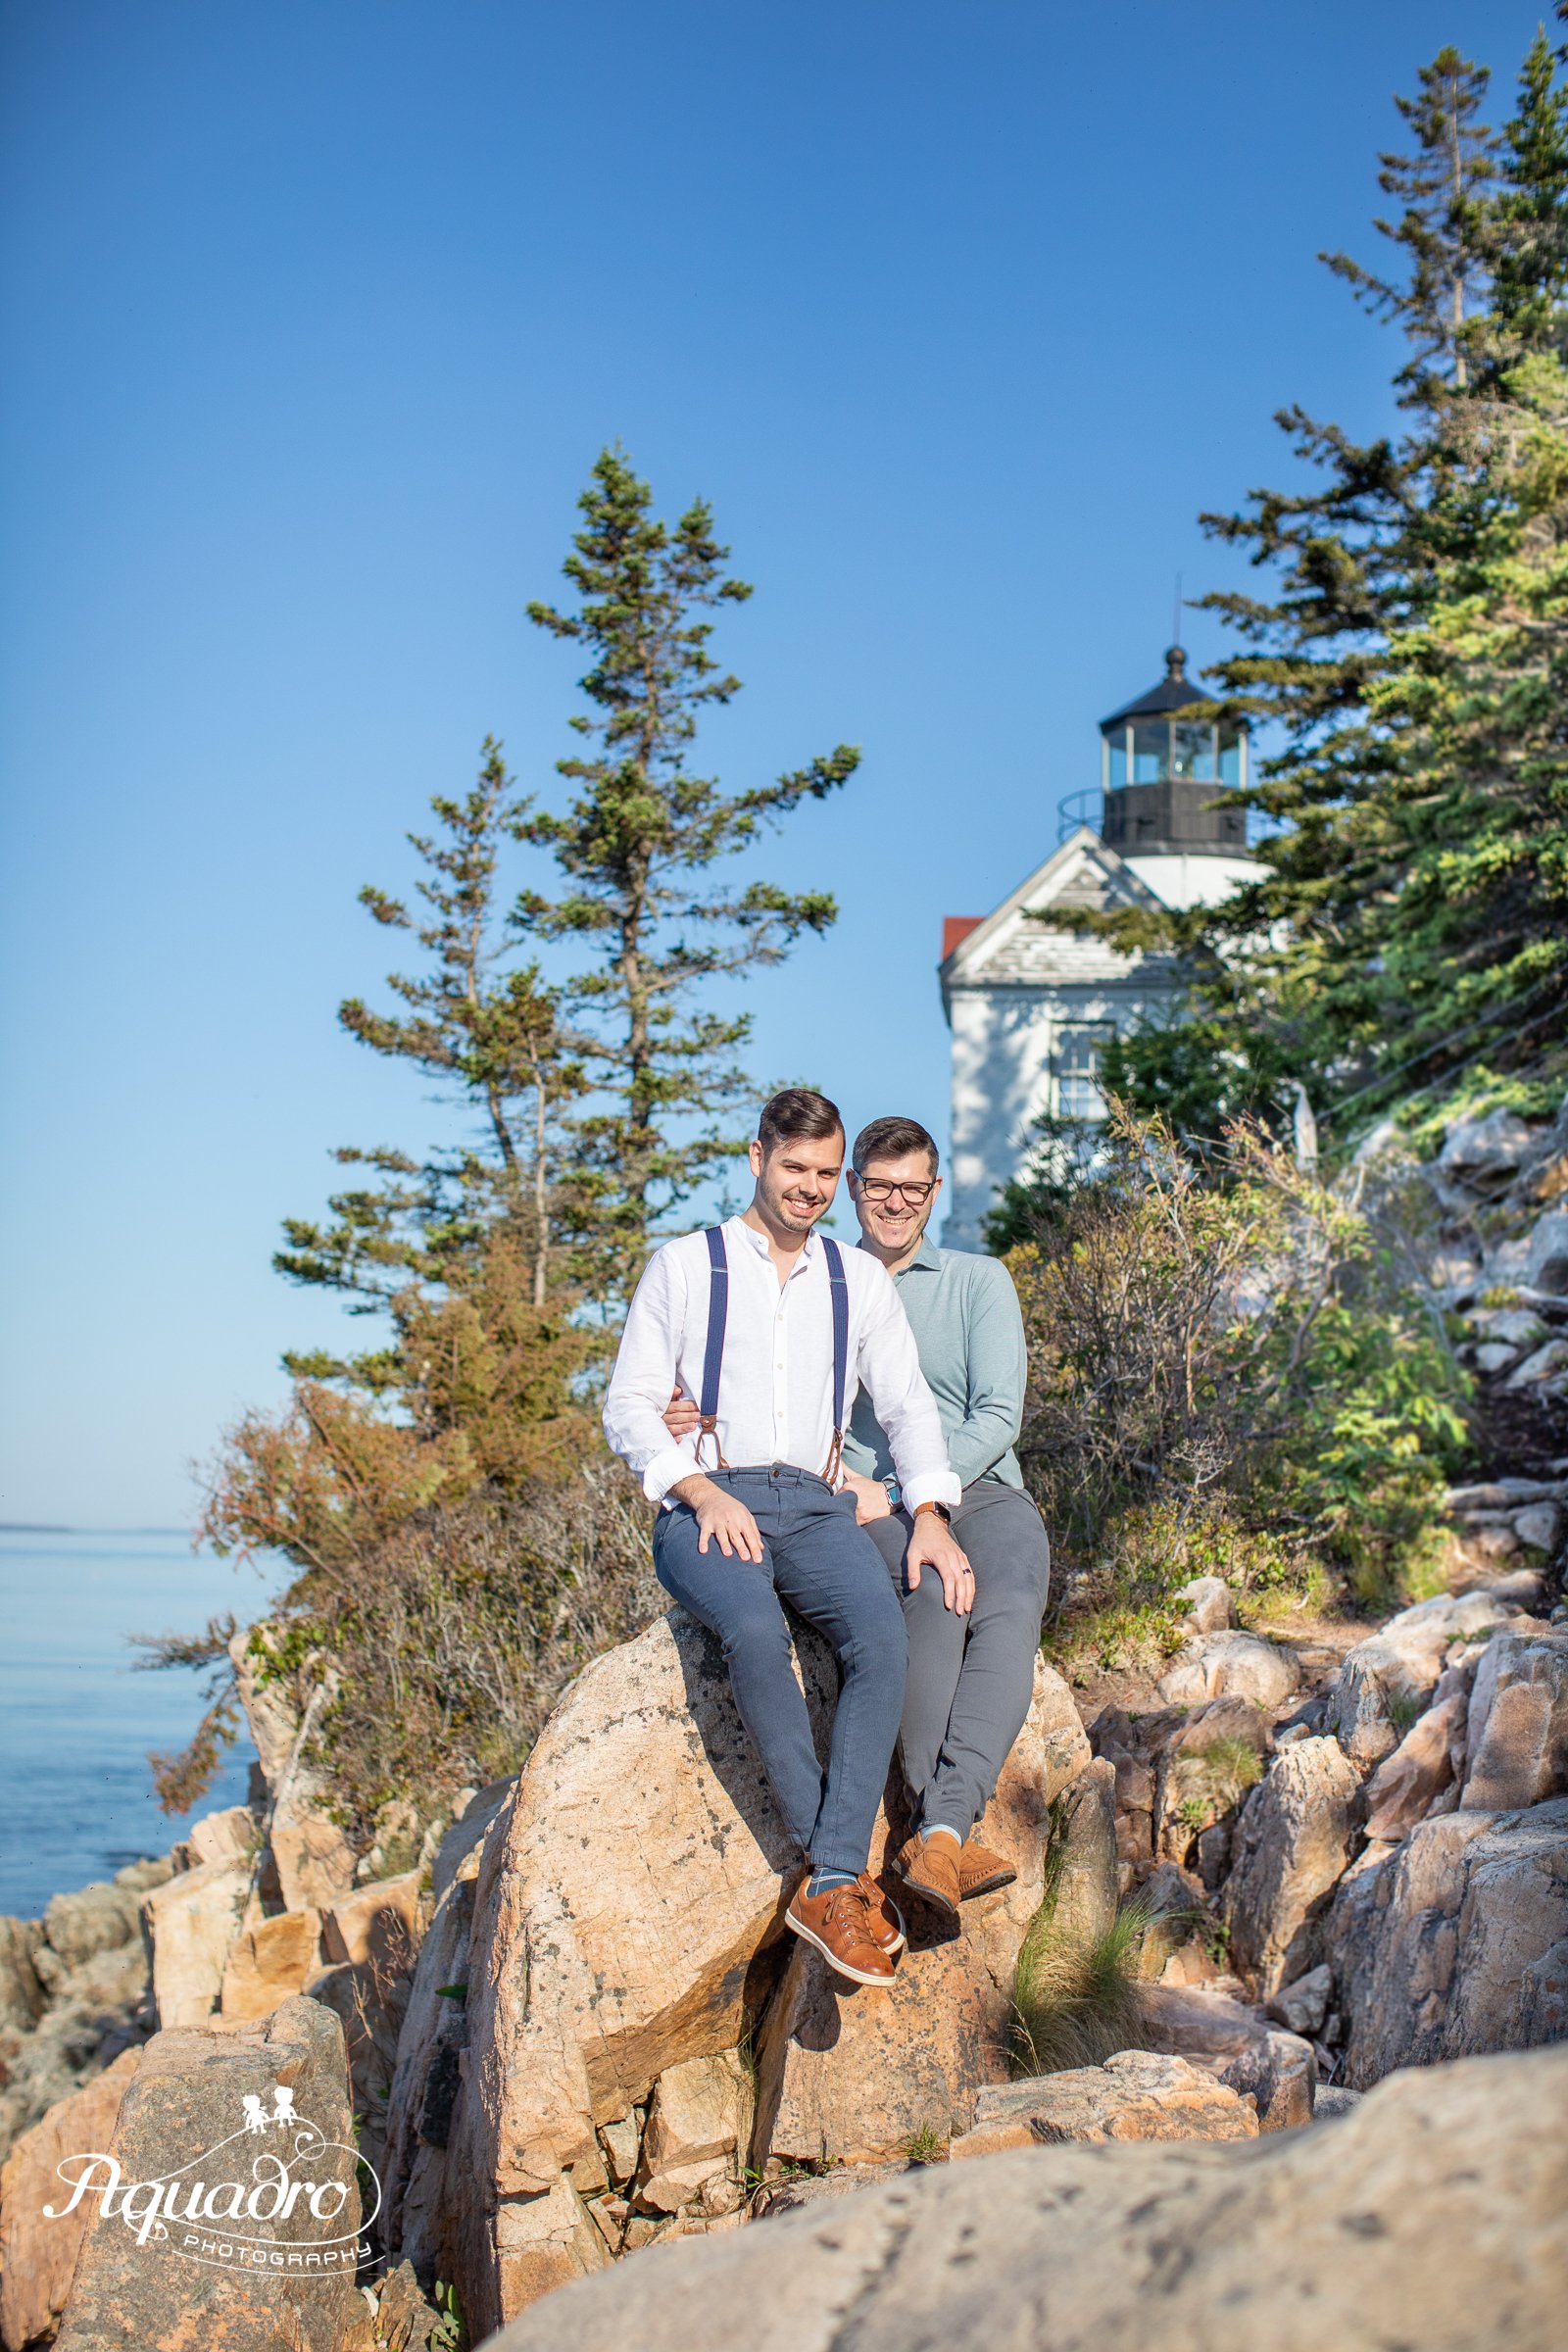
(828, 1569)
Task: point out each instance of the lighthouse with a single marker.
(1031, 1005)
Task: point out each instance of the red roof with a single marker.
(956, 929)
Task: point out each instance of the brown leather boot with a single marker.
(980, 1871)
(930, 1865)
(838, 1922)
(887, 1919)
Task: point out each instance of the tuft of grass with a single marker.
(1077, 2005)
(1404, 1707)
(1222, 1773)
(923, 2146)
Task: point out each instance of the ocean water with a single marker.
(77, 1722)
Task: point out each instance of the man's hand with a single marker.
(870, 1498)
(719, 1516)
(680, 1415)
(932, 1547)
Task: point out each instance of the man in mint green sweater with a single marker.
(970, 1677)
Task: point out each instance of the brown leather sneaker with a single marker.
(980, 1871)
(930, 1865)
(887, 1919)
(838, 1922)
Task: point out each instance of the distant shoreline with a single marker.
(34, 1527)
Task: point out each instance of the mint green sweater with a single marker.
(969, 1327)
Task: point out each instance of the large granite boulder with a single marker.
(627, 1917)
(1137, 2094)
(1425, 1765)
(699, 2118)
(1516, 1735)
(1291, 1844)
(1397, 1669)
(1083, 1860)
(1436, 2213)
(848, 2074)
(1232, 1665)
(313, 1859)
(22, 1988)
(1484, 1152)
(1273, 2064)
(92, 1918)
(37, 2254)
(596, 1958)
(423, 2198)
(64, 2023)
(189, 1925)
(268, 1962)
(1456, 1941)
(244, 2113)
(1547, 1265)
(851, 2076)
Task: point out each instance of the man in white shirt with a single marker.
(774, 1328)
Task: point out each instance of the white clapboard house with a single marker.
(1031, 1005)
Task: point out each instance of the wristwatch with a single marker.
(941, 1510)
(893, 1492)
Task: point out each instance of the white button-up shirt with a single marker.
(775, 1392)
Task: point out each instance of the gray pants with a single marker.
(970, 1678)
(816, 1558)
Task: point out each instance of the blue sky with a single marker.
(316, 315)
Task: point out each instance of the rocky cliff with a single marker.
(572, 2026)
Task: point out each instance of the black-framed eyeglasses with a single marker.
(878, 1190)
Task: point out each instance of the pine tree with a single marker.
(1409, 898)
(1530, 268)
(1443, 187)
(483, 1025)
(634, 844)
(588, 1104)
(1467, 957)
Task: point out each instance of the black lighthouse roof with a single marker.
(1173, 693)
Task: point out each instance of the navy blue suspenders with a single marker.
(714, 1353)
(714, 1349)
(839, 1292)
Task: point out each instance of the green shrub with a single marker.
(1232, 1372)
(1377, 1434)
(433, 1661)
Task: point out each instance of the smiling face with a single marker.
(893, 1218)
(795, 1179)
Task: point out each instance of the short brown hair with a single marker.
(794, 1112)
(892, 1139)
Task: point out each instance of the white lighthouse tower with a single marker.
(1032, 1005)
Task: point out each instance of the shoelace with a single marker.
(843, 1899)
(875, 1901)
